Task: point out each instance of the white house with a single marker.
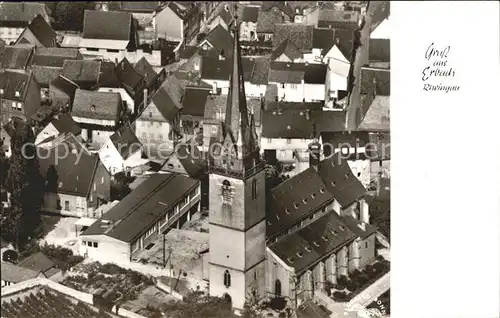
(60, 124)
(123, 94)
(122, 151)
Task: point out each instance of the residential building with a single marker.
(161, 202)
(108, 33)
(75, 184)
(142, 11)
(98, 114)
(44, 75)
(298, 81)
(301, 36)
(85, 73)
(40, 263)
(17, 15)
(218, 40)
(17, 57)
(19, 95)
(157, 126)
(379, 53)
(338, 19)
(223, 19)
(177, 21)
(13, 274)
(248, 27)
(122, 151)
(60, 125)
(380, 26)
(375, 89)
(266, 21)
(62, 92)
(38, 33)
(134, 84)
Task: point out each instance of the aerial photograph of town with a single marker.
(195, 159)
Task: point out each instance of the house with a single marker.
(59, 125)
(301, 36)
(380, 23)
(62, 92)
(17, 57)
(75, 184)
(38, 262)
(379, 53)
(223, 19)
(133, 82)
(19, 95)
(281, 6)
(13, 274)
(16, 16)
(44, 75)
(157, 126)
(142, 11)
(148, 73)
(287, 51)
(55, 56)
(161, 202)
(248, 27)
(218, 40)
(39, 33)
(266, 21)
(338, 19)
(98, 113)
(85, 73)
(108, 33)
(375, 89)
(177, 21)
(193, 110)
(298, 81)
(122, 151)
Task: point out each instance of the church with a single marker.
(288, 243)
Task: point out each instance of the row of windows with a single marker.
(90, 244)
(144, 136)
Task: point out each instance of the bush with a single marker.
(278, 303)
(352, 286)
(339, 296)
(112, 269)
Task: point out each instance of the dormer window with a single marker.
(322, 190)
(304, 200)
(287, 211)
(342, 228)
(346, 176)
(334, 233)
(300, 254)
(324, 238)
(313, 196)
(92, 108)
(296, 205)
(315, 244)
(308, 249)
(333, 183)
(290, 259)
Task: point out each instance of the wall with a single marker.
(237, 288)
(110, 158)
(378, 167)
(297, 92)
(32, 101)
(77, 205)
(276, 269)
(361, 169)
(154, 136)
(168, 25)
(10, 34)
(124, 95)
(367, 250)
(251, 90)
(255, 244)
(47, 132)
(227, 247)
(101, 187)
(108, 249)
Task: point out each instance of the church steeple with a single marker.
(239, 151)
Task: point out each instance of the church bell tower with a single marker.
(237, 200)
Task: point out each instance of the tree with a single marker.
(25, 184)
(68, 15)
(120, 186)
(197, 305)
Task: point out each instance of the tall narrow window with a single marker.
(277, 288)
(254, 189)
(227, 279)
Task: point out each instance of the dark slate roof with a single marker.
(16, 274)
(19, 14)
(309, 245)
(376, 113)
(216, 104)
(146, 70)
(299, 34)
(82, 72)
(109, 25)
(172, 5)
(64, 85)
(108, 77)
(37, 262)
(16, 57)
(11, 82)
(216, 69)
(250, 14)
(260, 71)
(125, 141)
(45, 75)
(336, 19)
(287, 124)
(323, 39)
(62, 174)
(340, 181)
(55, 56)
(168, 98)
(362, 230)
(140, 6)
(190, 158)
(283, 105)
(280, 5)
(309, 309)
(187, 51)
(329, 121)
(221, 40)
(267, 20)
(43, 31)
(107, 105)
(379, 50)
(194, 101)
(375, 80)
(288, 48)
(294, 73)
(127, 74)
(64, 123)
(139, 210)
(344, 39)
(379, 10)
(287, 205)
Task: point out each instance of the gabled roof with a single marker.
(168, 98)
(379, 50)
(340, 181)
(127, 74)
(250, 14)
(329, 121)
(64, 85)
(323, 39)
(65, 124)
(287, 124)
(280, 5)
(125, 141)
(267, 20)
(61, 173)
(301, 35)
(180, 11)
(107, 25)
(83, 72)
(37, 262)
(14, 82)
(146, 70)
(97, 105)
(19, 14)
(260, 70)
(194, 101)
(139, 210)
(309, 309)
(45, 75)
(336, 19)
(289, 49)
(190, 158)
(108, 76)
(16, 57)
(380, 11)
(377, 115)
(55, 56)
(214, 68)
(309, 245)
(221, 40)
(16, 274)
(294, 73)
(43, 31)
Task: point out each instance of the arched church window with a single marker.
(277, 288)
(227, 279)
